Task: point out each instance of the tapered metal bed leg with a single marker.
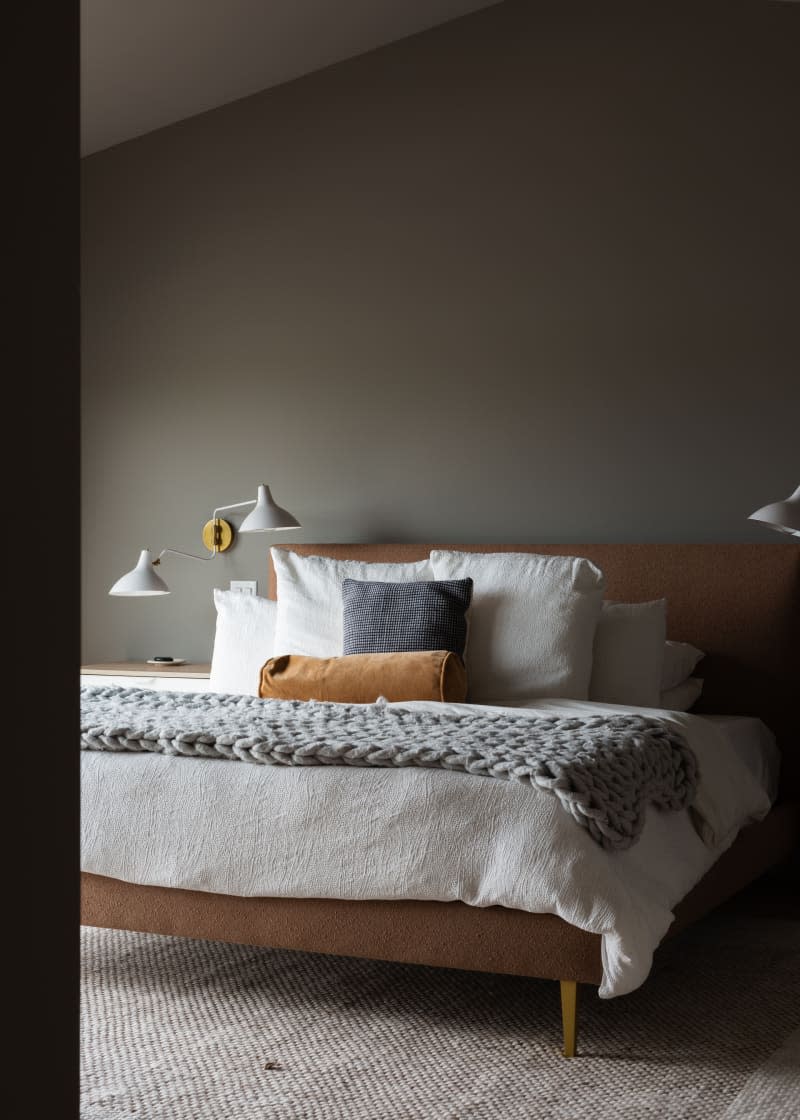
(569, 1015)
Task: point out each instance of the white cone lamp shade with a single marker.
(784, 515)
(141, 580)
(267, 515)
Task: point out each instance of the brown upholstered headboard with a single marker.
(738, 602)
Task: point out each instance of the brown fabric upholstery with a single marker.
(361, 678)
(447, 934)
(740, 603)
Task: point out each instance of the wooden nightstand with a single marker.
(190, 677)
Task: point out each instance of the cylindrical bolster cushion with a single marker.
(360, 678)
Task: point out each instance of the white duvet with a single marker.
(336, 832)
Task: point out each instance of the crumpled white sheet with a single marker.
(342, 832)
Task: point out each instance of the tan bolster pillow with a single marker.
(360, 678)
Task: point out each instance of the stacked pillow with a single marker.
(679, 689)
(532, 623)
(426, 620)
(634, 664)
(309, 618)
(332, 614)
(683, 696)
(680, 661)
(528, 626)
(244, 639)
(629, 653)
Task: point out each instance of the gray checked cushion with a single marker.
(403, 617)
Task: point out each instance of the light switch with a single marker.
(245, 586)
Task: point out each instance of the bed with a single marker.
(738, 602)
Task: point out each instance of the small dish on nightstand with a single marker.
(172, 661)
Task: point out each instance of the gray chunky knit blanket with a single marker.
(604, 769)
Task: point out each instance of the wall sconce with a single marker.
(217, 537)
(783, 516)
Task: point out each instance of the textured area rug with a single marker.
(175, 1029)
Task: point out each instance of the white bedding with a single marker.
(331, 832)
(755, 745)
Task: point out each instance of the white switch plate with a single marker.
(245, 586)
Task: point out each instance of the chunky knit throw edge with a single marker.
(605, 769)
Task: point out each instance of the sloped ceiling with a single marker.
(148, 63)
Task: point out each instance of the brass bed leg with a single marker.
(569, 1015)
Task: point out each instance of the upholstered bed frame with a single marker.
(738, 602)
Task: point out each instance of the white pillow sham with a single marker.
(683, 696)
(680, 660)
(532, 622)
(309, 593)
(244, 639)
(629, 653)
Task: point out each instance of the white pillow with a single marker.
(680, 660)
(532, 622)
(682, 696)
(244, 640)
(629, 653)
(309, 593)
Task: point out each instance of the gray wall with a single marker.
(529, 276)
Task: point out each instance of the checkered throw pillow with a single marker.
(402, 617)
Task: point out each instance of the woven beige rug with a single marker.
(187, 1030)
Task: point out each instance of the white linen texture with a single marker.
(629, 653)
(532, 623)
(309, 594)
(244, 639)
(320, 832)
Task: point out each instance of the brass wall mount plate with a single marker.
(223, 531)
